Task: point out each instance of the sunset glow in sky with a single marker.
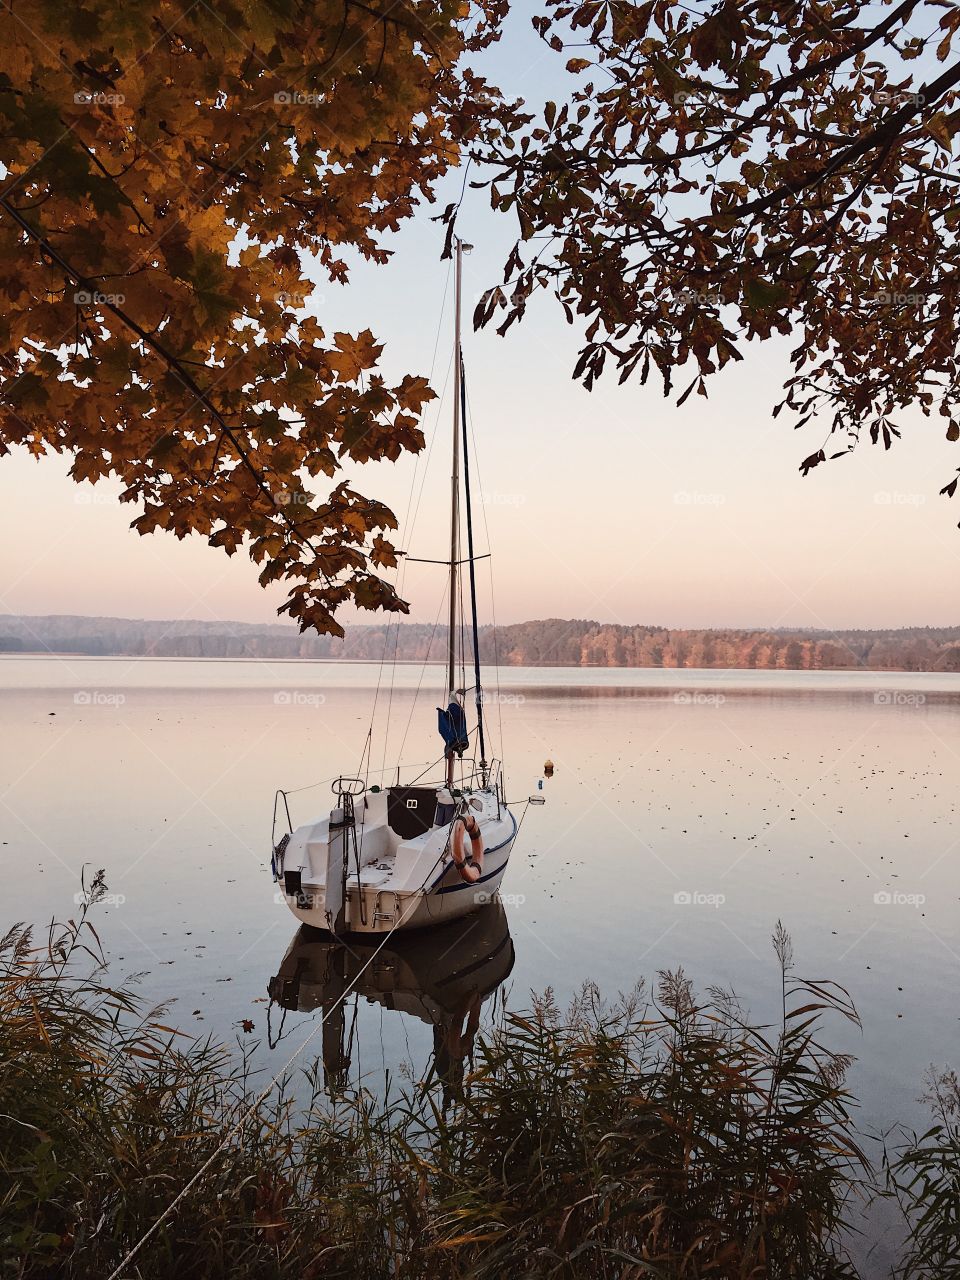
(613, 505)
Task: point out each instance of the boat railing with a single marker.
(286, 806)
(344, 786)
(492, 776)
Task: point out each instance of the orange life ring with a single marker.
(470, 870)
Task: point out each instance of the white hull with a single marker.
(393, 881)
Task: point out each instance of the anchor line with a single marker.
(239, 1126)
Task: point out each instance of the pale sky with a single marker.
(613, 505)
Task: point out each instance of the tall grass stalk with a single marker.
(659, 1135)
(923, 1174)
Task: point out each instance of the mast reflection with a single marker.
(442, 976)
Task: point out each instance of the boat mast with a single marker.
(471, 561)
(455, 496)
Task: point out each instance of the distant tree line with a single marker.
(549, 642)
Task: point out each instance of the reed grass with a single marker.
(923, 1175)
(659, 1135)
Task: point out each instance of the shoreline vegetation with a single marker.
(659, 1134)
(553, 642)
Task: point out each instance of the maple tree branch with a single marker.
(114, 179)
(172, 363)
(390, 15)
(183, 389)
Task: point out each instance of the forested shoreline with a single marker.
(550, 642)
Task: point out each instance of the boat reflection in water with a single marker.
(442, 976)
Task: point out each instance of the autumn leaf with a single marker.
(173, 184)
(742, 173)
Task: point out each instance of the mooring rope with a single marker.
(262, 1097)
(254, 1106)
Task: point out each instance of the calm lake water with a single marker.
(689, 811)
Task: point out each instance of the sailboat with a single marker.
(421, 852)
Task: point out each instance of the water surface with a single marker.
(689, 811)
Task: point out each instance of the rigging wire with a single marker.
(471, 554)
(365, 755)
(463, 667)
(408, 523)
(423, 668)
(493, 596)
(324, 782)
(412, 520)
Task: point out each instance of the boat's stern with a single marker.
(389, 863)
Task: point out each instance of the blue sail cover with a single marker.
(452, 724)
